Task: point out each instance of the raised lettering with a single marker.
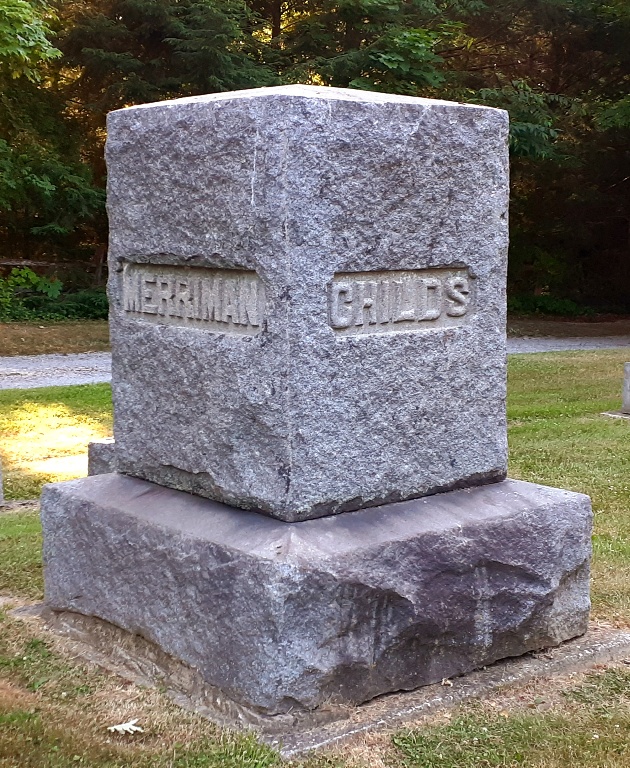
(132, 291)
(458, 293)
(221, 300)
(364, 298)
(340, 315)
(248, 300)
(148, 304)
(165, 294)
(183, 304)
(430, 293)
(211, 299)
(383, 309)
(400, 300)
(404, 304)
(230, 309)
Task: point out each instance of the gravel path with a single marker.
(95, 367)
(546, 344)
(54, 370)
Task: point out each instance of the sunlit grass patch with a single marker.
(45, 433)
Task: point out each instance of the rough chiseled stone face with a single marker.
(285, 618)
(102, 457)
(308, 293)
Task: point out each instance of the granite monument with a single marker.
(307, 291)
(309, 506)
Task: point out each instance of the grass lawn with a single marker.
(45, 433)
(558, 437)
(54, 713)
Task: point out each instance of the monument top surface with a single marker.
(308, 296)
(304, 92)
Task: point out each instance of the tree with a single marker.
(560, 67)
(24, 44)
(46, 193)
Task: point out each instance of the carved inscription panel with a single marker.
(400, 300)
(221, 300)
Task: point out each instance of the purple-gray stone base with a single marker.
(299, 617)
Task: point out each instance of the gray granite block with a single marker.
(102, 457)
(308, 296)
(293, 617)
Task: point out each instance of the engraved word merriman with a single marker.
(221, 300)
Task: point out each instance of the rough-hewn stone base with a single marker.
(292, 617)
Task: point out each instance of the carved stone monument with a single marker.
(308, 324)
(308, 297)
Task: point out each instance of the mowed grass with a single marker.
(54, 712)
(45, 433)
(584, 726)
(558, 437)
(21, 555)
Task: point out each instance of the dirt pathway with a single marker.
(54, 370)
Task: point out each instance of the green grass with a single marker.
(21, 555)
(28, 741)
(580, 732)
(45, 433)
(54, 713)
(557, 437)
(26, 733)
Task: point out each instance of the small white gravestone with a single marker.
(625, 403)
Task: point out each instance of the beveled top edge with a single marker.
(335, 536)
(307, 92)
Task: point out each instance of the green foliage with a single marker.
(561, 68)
(533, 131)
(401, 61)
(133, 51)
(614, 115)
(547, 305)
(18, 286)
(24, 41)
(87, 304)
(47, 195)
(27, 296)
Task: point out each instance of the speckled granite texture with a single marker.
(308, 296)
(101, 457)
(288, 618)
